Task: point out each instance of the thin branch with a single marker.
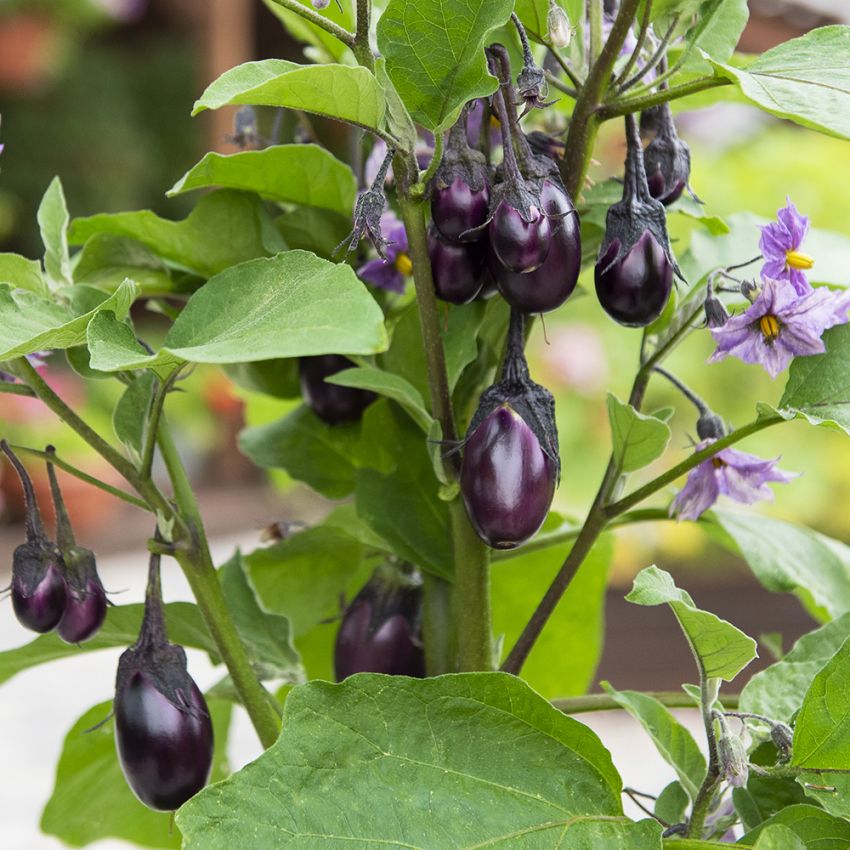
(434, 164)
(16, 389)
(644, 31)
(346, 37)
(162, 390)
(361, 47)
(561, 86)
(616, 108)
(603, 702)
(565, 65)
(655, 59)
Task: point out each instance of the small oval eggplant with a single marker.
(85, 611)
(381, 628)
(507, 481)
(38, 591)
(550, 285)
(458, 209)
(634, 290)
(165, 750)
(458, 269)
(520, 245)
(330, 402)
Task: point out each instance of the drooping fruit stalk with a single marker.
(510, 465)
(85, 604)
(163, 730)
(381, 630)
(38, 585)
(332, 403)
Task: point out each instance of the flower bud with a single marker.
(783, 738)
(332, 403)
(558, 25)
(733, 759)
(381, 628)
(716, 315)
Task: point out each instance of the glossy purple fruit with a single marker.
(634, 290)
(458, 269)
(658, 187)
(85, 611)
(457, 209)
(38, 572)
(550, 285)
(520, 246)
(506, 479)
(331, 402)
(380, 631)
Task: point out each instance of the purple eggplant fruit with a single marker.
(38, 584)
(510, 466)
(85, 604)
(163, 730)
(458, 270)
(330, 402)
(460, 188)
(520, 240)
(667, 158)
(380, 631)
(635, 268)
(553, 282)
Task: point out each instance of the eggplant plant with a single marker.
(389, 656)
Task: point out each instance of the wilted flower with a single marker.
(781, 325)
(389, 274)
(780, 244)
(738, 475)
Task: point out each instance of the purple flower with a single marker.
(389, 274)
(780, 244)
(738, 475)
(424, 152)
(781, 325)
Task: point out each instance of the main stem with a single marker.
(199, 570)
(471, 609)
(705, 795)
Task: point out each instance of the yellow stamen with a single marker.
(798, 260)
(769, 326)
(718, 463)
(494, 121)
(403, 264)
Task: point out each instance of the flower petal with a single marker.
(382, 274)
(699, 493)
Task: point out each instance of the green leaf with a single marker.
(343, 92)
(434, 55)
(818, 829)
(306, 175)
(53, 221)
(672, 803)
(130, 417)
(464, 751)
(29, 323)
(400, 503)
(672, 740)
(121, 628)
(310, 450)
(716, 31)
(91, 799)
(460, 338)
(107, 259)
(788, 558)
(389, 385)
(720, 649)
(806, 80)
(225, 228)
(290, 305)
(564, 658)
(312, 229)
(323, 47)
(637, 439)
(21, 273)
(399, 122)
(267, 637)
(778, 837)
(778, 691)
(278, 377)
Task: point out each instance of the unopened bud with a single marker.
(733, 759)
(318, 5)
(560, 32)
(710, 426)
(716, 315)
(782, 737)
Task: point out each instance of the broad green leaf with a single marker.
(322, 46)
(310, 450)
(53, 221)
(91, 799)
(462, 754)
(290, 305)
(715, 31)
(818, 829)
(107, 259)
(434, 56)
(637, 439)
(29, 323)
(113, 347)
(267, 637)
(401, 503)
(776, 836)
(818, 387)
(389, 385)
(21, 273)
(306, 175)
(778, 691)
(121, 628)
(672, 740)
(788, 558)
(278, 378)
(225, 228)
(564, 658)
(335, 91)
(406, 353)
(806, 80)
(313, 229)
(672, 803)
(720, 650)
(130, 416)
(460, 338)
(767, 795)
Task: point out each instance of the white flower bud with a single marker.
(560, 32)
